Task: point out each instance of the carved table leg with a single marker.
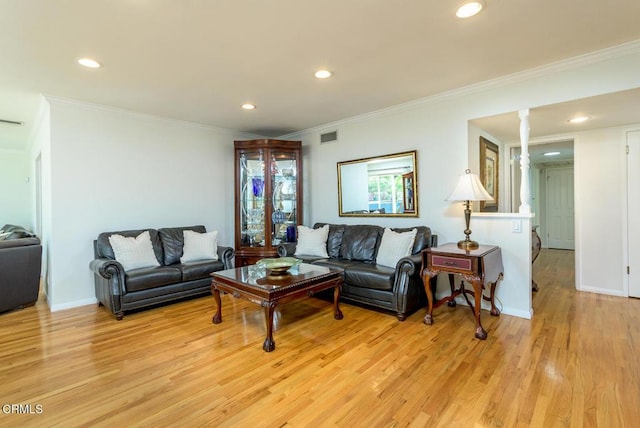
(426, 280)
(337, 313)
(269, 345)
(217, 318)
(477, 294)
(494, 310)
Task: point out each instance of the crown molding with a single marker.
(613, 52)
(101, 107)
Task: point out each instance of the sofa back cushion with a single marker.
(423, 237)
(334, 240)
(103, 247)
(173, 241)
(360, 242)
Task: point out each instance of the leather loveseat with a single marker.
(20, 264)
(121, 290)
(354, 250)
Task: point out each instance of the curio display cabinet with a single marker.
(268, 197)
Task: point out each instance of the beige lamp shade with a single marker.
(469, 188)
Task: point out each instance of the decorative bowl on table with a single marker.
(279, 266)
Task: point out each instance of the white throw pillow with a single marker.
(134, 253)
(199, 246)
(312, 242)
(394, 246)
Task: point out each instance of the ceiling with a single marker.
(199, 60)
(604, 111)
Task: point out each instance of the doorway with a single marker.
(552, 190)
(559, 211)
(633, 206)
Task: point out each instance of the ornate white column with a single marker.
(525, 193)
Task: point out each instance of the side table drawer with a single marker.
(451, 262)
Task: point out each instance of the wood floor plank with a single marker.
(575, 364)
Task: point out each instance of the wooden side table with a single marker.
(481, 268)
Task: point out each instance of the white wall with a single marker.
(114, 170)
(601, 217)
(15, 188)
(513, 294)
(41, 146)
(438, 128)
(474, 133)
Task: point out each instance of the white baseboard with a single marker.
(599, 290)
(74, 304)
(517, 313)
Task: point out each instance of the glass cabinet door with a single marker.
(268, 197)
(284, 188)
(252, 198)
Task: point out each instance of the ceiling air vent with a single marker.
(329, 137)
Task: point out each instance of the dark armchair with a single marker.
(20, 264)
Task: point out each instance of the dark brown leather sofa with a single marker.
(20, 264)
(121, 290)
(353, 249)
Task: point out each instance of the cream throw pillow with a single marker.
(394, 246)
(134, 253)
(312, 242)
(199, 246)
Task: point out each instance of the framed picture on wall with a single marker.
(407, 190)
(489, 173)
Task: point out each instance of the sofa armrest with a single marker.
(409, 265)
(109, 281)
(227, 256)
(287, 249)
(408, 285)
(107, 268)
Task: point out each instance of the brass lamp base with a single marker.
(467, 245)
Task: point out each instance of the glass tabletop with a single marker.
(258, 277)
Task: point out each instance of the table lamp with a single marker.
(469, 188)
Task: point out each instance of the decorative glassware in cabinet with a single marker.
(284, 185)
(252, 202)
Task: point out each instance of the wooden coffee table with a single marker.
(256, 285)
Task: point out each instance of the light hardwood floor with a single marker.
(575, 364)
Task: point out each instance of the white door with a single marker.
(560, 208)
(633, 206)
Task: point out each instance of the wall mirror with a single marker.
(384, 186)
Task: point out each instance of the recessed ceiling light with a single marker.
(323, 74)
(248, 106)
(552, 153)
(469, 9)
(90, 63)
(579, 119)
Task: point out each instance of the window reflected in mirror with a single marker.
(378, 186)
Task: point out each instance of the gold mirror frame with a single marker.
(354, 199)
